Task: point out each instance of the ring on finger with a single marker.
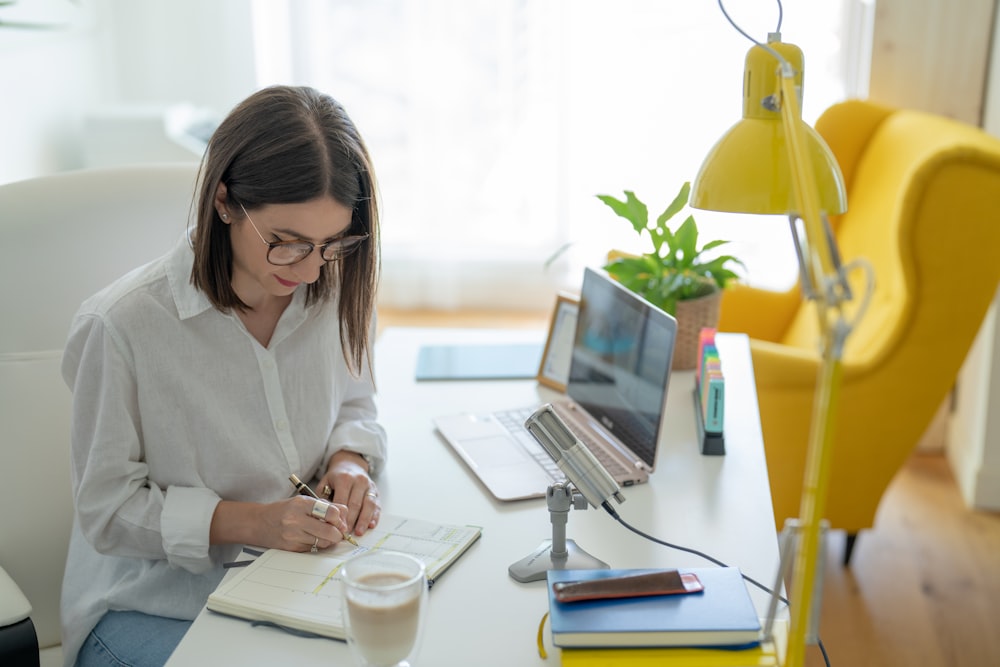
(315, 545)
(372, 495)
(319, 509)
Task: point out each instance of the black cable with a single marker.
(689, 550)
(610, 510)
(822, 649)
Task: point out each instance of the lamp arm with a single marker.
(820, 275)
(803, 177)
(839, 291)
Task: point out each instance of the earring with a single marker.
(225, 216)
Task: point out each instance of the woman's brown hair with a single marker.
(283, 145)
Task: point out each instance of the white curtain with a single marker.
(494, 123)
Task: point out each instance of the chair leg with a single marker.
(849, 548)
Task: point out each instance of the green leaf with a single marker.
(628, 271)
(679, 202)
(716, 269)
(686, 243)
(630, 208)
(720, 261)
(557, 254)
(713, 244)
(661, 236)
(652, 264)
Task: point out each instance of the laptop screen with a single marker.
(620, 367)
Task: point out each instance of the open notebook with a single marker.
(300, 591)
(615, 398)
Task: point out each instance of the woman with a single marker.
(203, 380)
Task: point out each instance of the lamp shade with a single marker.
(748, 169)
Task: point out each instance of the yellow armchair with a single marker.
(924, 209)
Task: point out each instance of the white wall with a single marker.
(115, 55)
(46, 78)
(974, 428)
(197, 51)
(991, 107)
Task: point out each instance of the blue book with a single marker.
(721, 615)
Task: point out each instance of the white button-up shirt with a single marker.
(175, 407)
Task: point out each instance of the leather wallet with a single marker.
(664, 582)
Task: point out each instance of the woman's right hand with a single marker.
(301, 523)
(298, 523)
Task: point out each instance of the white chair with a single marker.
(62, 238)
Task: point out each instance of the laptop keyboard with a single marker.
(513, 421)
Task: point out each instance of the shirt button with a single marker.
(281, 424)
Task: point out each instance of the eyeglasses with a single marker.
(283, 253)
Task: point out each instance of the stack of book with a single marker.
(715, 627)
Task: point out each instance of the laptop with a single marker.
(615, 398)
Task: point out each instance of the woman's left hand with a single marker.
(347, 478)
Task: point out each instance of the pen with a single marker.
(303, 488)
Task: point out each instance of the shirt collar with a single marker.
(191, 301)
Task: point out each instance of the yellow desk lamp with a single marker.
(771, 162)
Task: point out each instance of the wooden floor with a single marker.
(923, 589)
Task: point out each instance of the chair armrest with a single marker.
(759, 313)
(785, 367)
(14, 607)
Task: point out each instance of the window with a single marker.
(494, 123)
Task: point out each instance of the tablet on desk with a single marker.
(502, 361)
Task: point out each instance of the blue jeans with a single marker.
(131, 639)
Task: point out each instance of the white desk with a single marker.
(478, 614)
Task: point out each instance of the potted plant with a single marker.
(677, 276)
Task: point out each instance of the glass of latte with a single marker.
(385, 596)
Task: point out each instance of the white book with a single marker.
(300, 591)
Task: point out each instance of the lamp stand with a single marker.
(771, 93)
(825, 284)
(788, 542)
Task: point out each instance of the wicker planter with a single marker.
(692, 316)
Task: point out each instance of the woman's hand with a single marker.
(302, 523)
(346, 482)
(299, 523)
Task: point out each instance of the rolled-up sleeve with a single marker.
(186, 523)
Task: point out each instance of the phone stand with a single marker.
(557, 553)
